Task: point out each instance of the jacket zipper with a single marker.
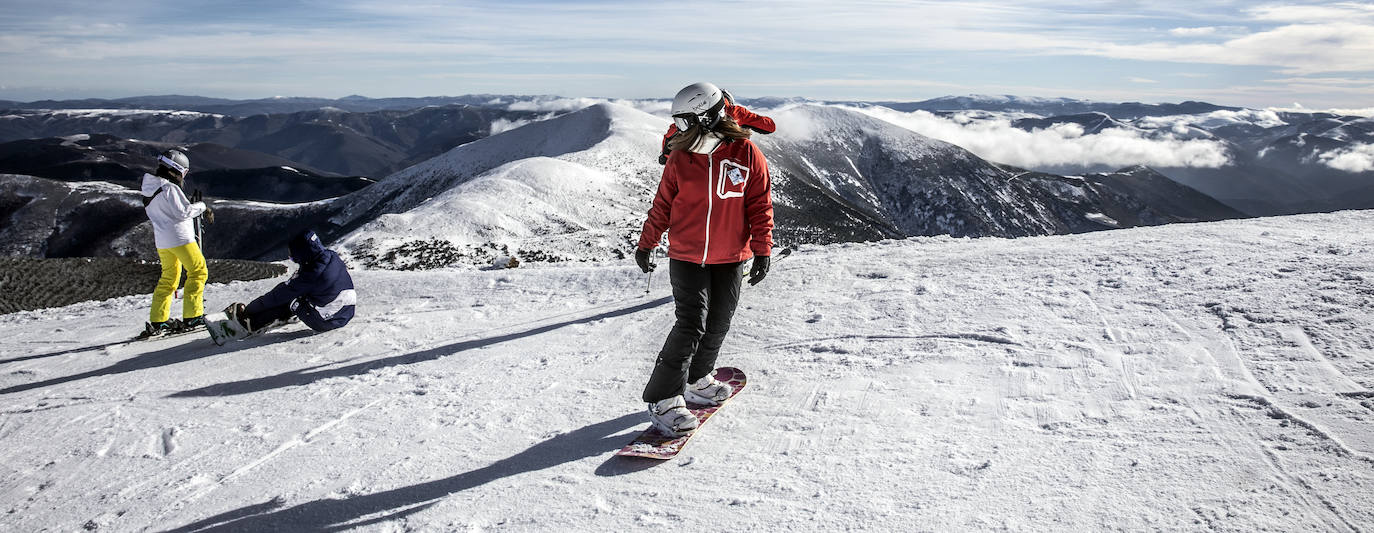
(710, 164)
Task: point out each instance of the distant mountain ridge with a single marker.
(218, 171)
(1055, 106)
(373, 144)
(260, 106)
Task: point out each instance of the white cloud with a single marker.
(1259, 117)
(1063, 145)
(502, 125)
(1295, 48)
(1134, 79)
(1193, 32)
(1299, 108)
(563, 105)
(1336, 12)
(1355, 158)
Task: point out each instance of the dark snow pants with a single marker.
(705, 298)
(298, 308)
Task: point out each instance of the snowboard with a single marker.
(223, 329)
(147, 335)
(654, 444)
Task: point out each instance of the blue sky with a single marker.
(1317, 54)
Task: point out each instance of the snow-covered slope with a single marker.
(573, 187)
(1186, 377)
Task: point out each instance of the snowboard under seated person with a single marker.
(320, 293)
(715, 202)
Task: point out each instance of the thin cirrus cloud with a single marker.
(1193, 32)
(1308, 39)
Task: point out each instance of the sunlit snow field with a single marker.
(1187, 377)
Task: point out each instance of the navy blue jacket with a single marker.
(322, 282)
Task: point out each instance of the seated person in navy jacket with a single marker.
(320, 293)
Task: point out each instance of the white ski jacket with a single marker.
(170, 212)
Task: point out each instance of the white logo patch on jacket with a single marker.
(732, 180)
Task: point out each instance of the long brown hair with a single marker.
(693, 137)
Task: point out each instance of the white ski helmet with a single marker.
(698, 103)
(175, 160)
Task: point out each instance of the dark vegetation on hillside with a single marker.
(28, 283)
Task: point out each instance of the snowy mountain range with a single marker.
(1261, 162)
(575, 187)
(556, 180)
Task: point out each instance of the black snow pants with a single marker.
(705, 298)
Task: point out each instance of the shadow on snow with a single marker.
(358, 511)
(306, 376)
(170, 355)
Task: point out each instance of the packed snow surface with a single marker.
(1186, 377)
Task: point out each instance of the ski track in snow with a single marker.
(1187, 377)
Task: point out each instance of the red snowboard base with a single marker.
(653, 444)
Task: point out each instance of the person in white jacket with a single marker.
(174, 233)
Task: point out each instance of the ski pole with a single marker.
(649, 279)
(200, 225)
(781, 254)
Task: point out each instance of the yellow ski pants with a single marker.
(192, 302)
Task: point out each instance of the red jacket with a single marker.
(744, 117)
(716, 207)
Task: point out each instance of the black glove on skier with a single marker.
(643, 260)
(759, 270)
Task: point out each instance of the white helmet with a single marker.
(698, 103)
(175, 160)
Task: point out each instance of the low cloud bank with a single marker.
(502, 125)
(1343, 111)
(1063, 145)
(564, 105)
(1355, 158)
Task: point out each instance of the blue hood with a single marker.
(306, 248)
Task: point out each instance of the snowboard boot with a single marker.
(707, 391)
(192, 323)
(155, 329)
(672, 417)
(237, 312)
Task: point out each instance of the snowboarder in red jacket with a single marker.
(715, 202)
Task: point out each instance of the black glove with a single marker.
(662, 159)
(759, 270)
(643, 259)
(209, 215)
